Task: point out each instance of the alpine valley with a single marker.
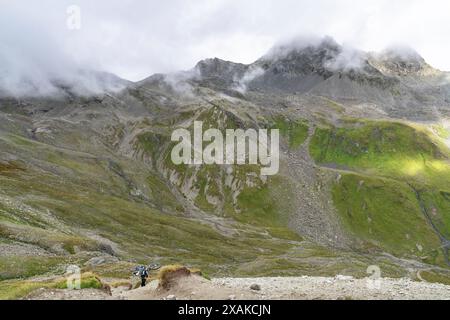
(364, 172)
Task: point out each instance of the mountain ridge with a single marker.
(395, 77)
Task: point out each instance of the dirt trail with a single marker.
(195, 287)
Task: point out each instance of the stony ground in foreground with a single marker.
(303, 288)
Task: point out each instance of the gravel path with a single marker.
(280, 288)
(339, 287)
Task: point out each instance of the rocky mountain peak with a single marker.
(401, 61)
(218, 68)
(302, 56)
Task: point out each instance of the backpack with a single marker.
(141, 271)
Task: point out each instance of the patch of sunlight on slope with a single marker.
(412, 167)
(415, 167)
(440, 166)
(395, 150)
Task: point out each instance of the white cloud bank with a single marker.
(135, 39)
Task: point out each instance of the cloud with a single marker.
(298, 43)
(35, 59)
(348, 59)
(179, 81)
(135, 39)
(339, 57)
(402, 51)
(251, 74)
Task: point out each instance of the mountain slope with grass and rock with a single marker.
(86, 178)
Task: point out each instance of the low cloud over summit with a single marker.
(134, 39)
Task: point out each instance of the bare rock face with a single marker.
(402, 62)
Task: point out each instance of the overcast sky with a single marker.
(135, 39)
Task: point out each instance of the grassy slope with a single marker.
(15, 289)
(258, 204)
(81, 192)
(88, 192)
(385, 214)
(296, 131)
(379, 203)
(441, 131)
(91, 196)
